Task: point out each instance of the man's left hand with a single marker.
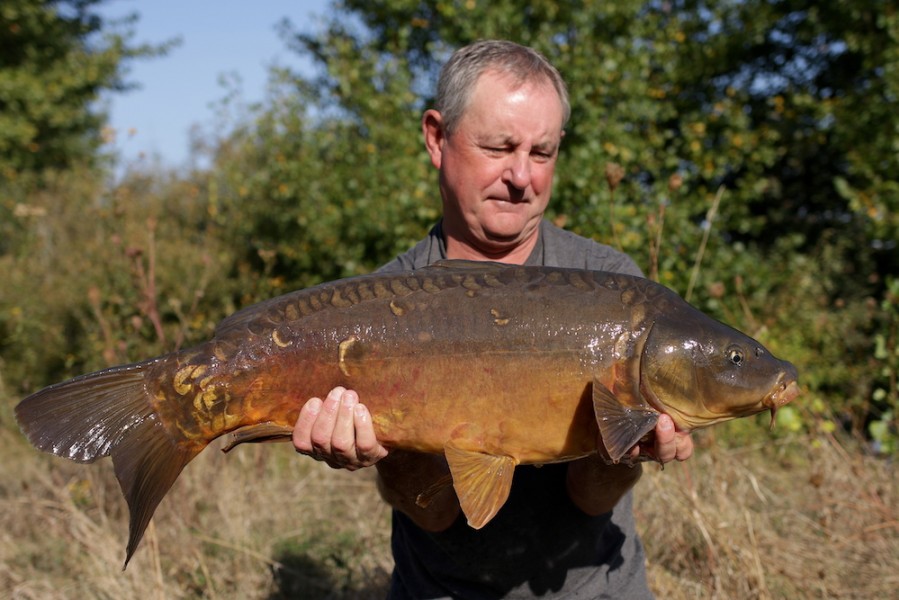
(666, 445)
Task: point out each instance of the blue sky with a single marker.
(177, 91)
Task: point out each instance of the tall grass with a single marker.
(799, 517)
(259, 523)
(802, 517)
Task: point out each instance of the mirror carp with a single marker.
(491, 365)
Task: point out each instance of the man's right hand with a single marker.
(339, 431)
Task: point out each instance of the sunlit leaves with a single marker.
(56, 57)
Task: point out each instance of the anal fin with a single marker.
(260, 432)
(482, 482)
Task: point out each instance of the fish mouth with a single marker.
(785, 391)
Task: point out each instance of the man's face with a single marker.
(496, 168)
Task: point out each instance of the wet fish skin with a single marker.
(491, 365)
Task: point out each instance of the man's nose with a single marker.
(518, 170)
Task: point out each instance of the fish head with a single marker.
(701, 372)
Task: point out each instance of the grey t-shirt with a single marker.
(539, 545)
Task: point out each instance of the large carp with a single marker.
(491, 365)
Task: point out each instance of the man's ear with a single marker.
(435, 137)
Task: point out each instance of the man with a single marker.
(567, 530)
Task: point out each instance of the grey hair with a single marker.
(461, 72)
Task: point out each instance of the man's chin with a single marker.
(509, 229)
(504, 236)
(501, 240)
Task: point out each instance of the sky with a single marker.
(177, 91)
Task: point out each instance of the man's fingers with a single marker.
(323, 428)
(368, 450)
(684, 445)
(671, 444)
(666, 440)
(343, 437)
(302, 431)
(338, 430)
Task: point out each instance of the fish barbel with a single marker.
(490, 365)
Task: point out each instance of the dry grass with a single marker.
(799, 519)
(257, 523)
(804, 518)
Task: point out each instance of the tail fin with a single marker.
(110, 413)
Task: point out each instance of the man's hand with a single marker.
(667, 445)
(338, 430)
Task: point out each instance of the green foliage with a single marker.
(312, 193)
(884, 428)
(763, 98)
(102, 277)
(56, 57)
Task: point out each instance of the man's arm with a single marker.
(404, 476)
(595, 486)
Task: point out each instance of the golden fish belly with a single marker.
(534, 408)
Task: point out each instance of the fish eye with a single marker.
(735, 356)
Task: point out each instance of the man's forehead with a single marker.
(482, 100)
(499, 137)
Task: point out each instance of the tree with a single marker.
(56, 57)
(328, 179)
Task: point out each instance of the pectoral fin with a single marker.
(623, 419)
(261, 432)
(622, 413)
(482, 482)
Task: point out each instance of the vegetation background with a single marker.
(744, 152)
